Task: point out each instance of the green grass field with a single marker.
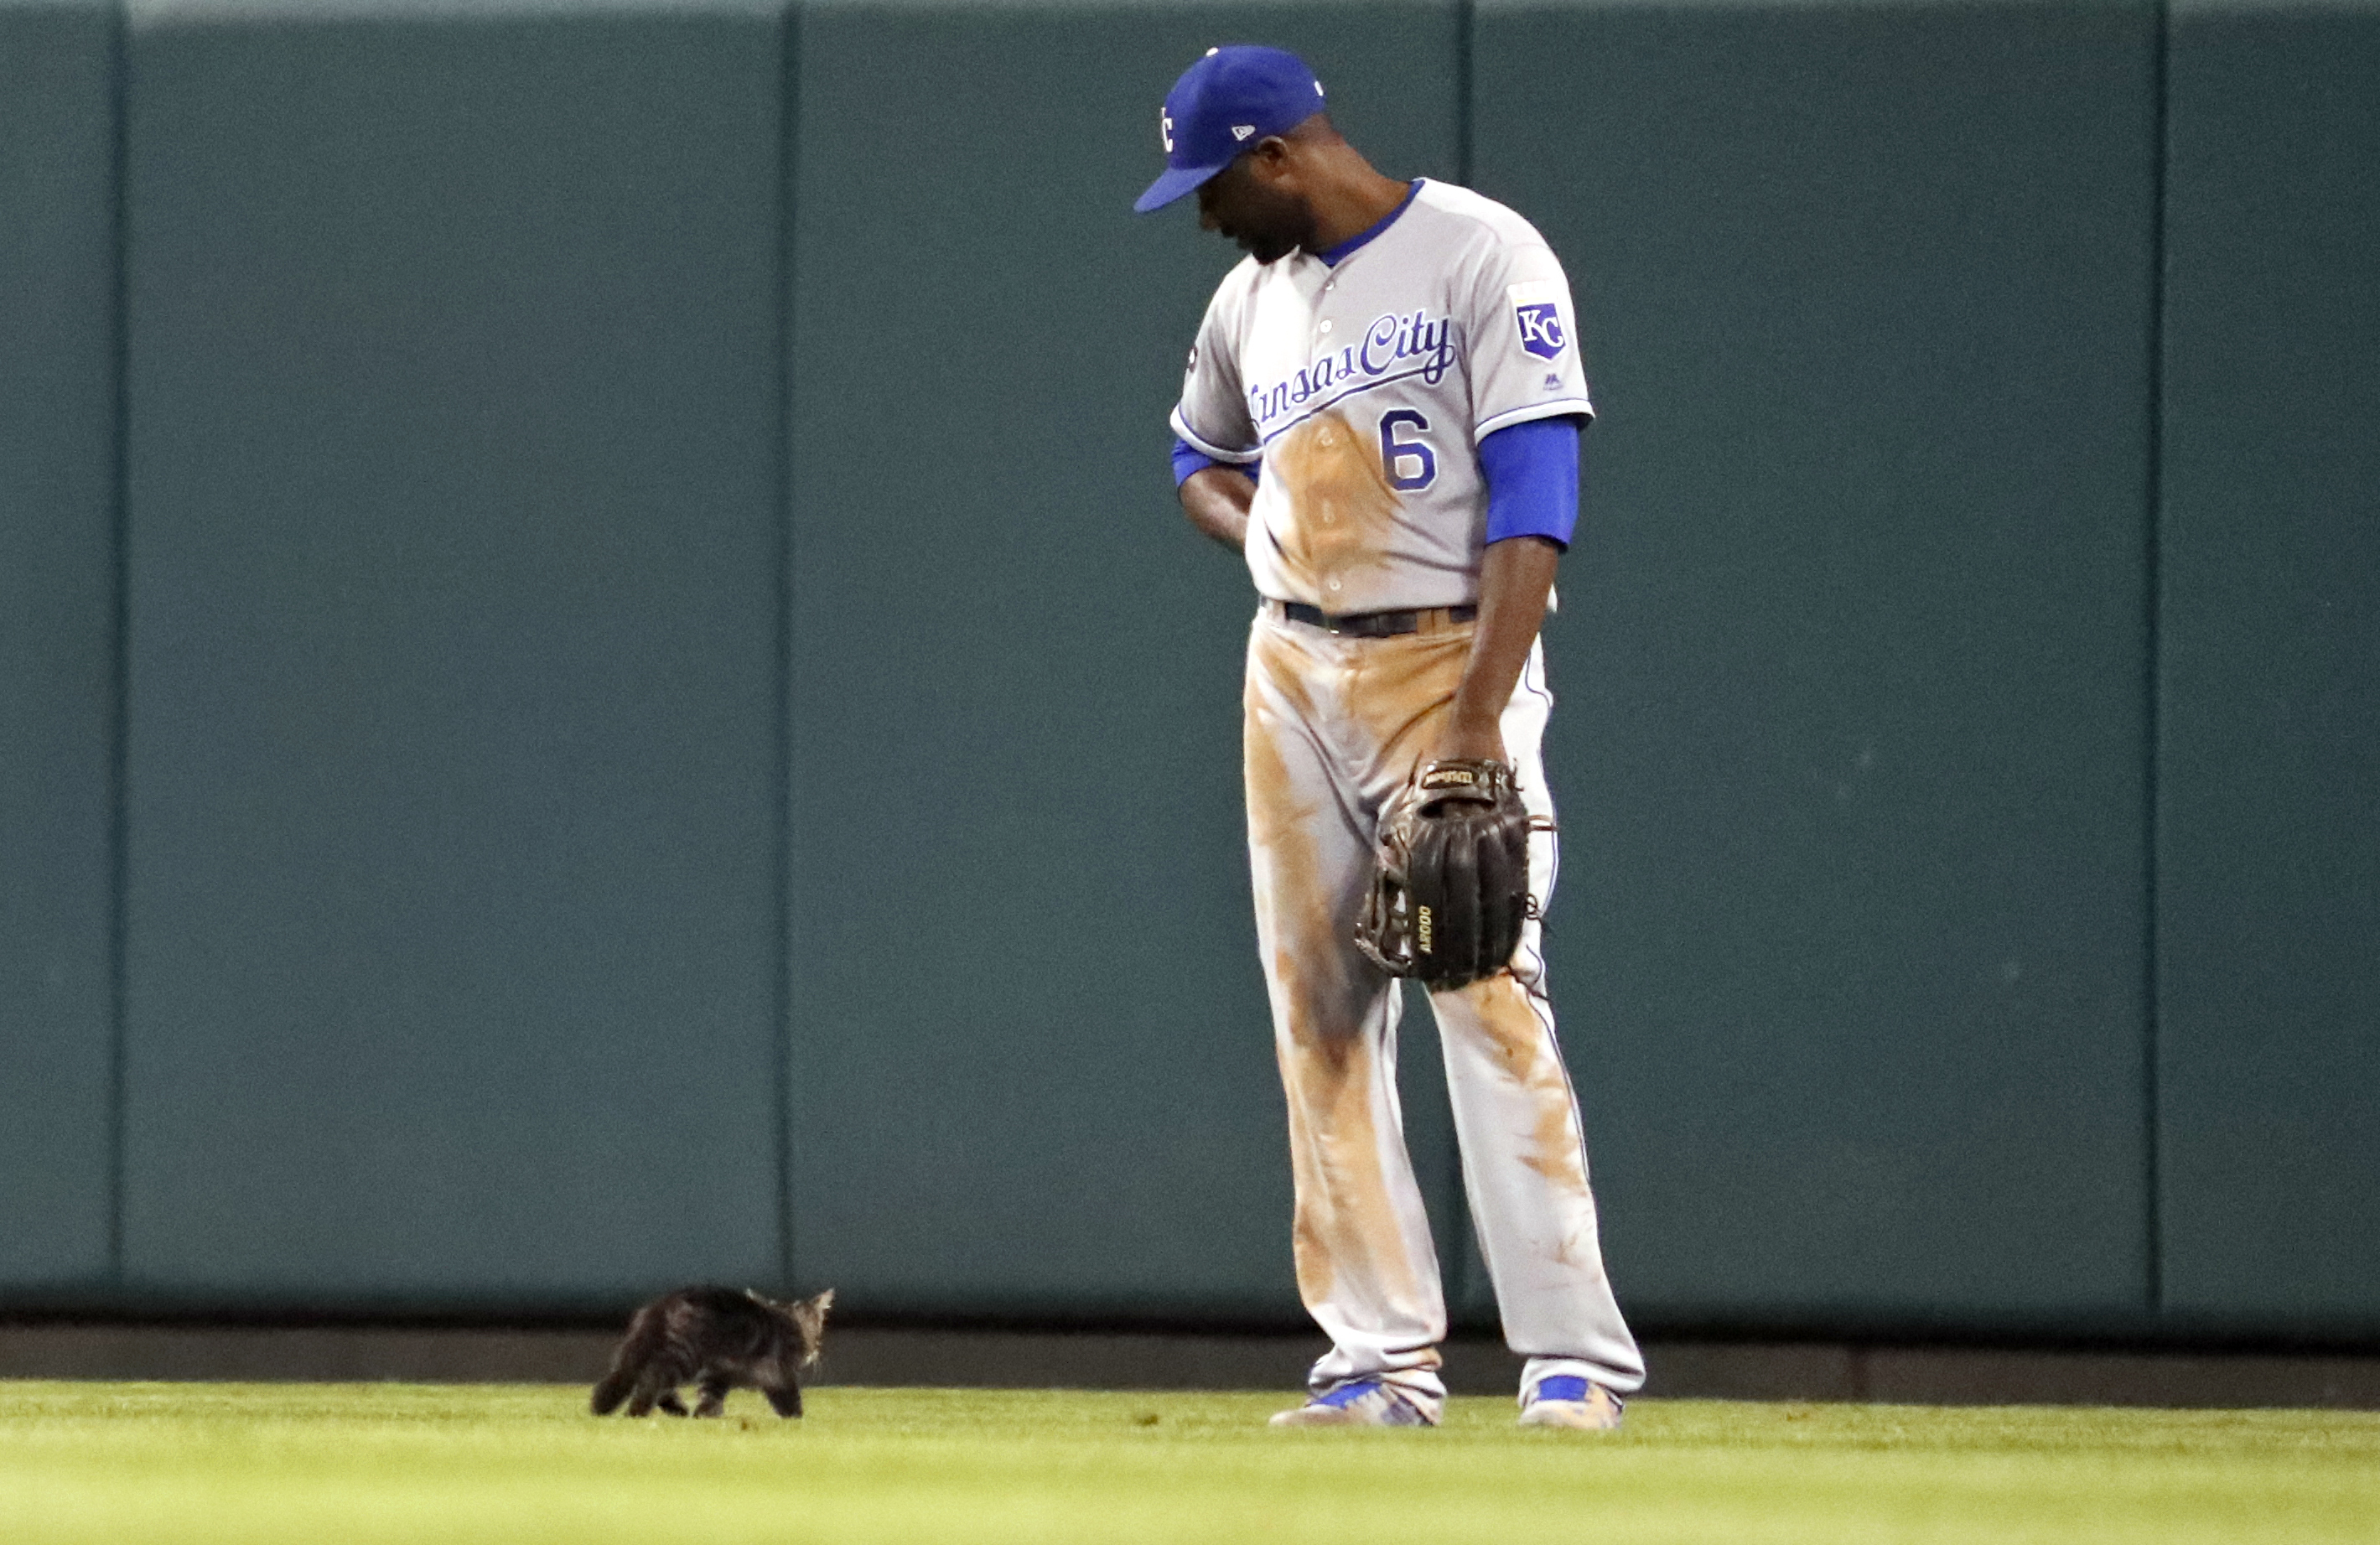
(330, 1463)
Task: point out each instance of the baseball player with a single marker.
(1382, 412)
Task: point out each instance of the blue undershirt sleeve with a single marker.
(1188, 459)
(1532, 472)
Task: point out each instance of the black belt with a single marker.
(1371, 625)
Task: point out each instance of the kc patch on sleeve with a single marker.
(1537, 313)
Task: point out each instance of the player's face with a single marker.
(1267, 220)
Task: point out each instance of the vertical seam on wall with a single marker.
(788, 77)
(119, 864)
(1464, 1224)
(1465, 19)
(2160, 153)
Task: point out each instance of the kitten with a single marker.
(715, 1338)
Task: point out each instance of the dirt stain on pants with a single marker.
(1334, 729)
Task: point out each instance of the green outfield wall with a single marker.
(59, 710)
(600, 682)
(2268, 755)
(455, 494)
(1854, 746)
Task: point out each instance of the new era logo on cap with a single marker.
(1226, 103)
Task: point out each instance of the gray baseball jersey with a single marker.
(1365, 390)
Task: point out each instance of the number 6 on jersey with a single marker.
(1397, 455)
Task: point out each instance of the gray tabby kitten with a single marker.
(715, 1338)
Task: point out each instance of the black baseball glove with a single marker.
(1450, 890)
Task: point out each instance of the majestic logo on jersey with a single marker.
(1393, 348)
(1537, 311)
(1541, 329)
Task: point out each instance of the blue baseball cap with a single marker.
(1222, 104)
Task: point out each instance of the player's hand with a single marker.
(1459, 742)
(1515, 577)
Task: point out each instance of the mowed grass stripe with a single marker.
(315, 1463)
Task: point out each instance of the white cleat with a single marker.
(1576, 1404)
(1354, 1402)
